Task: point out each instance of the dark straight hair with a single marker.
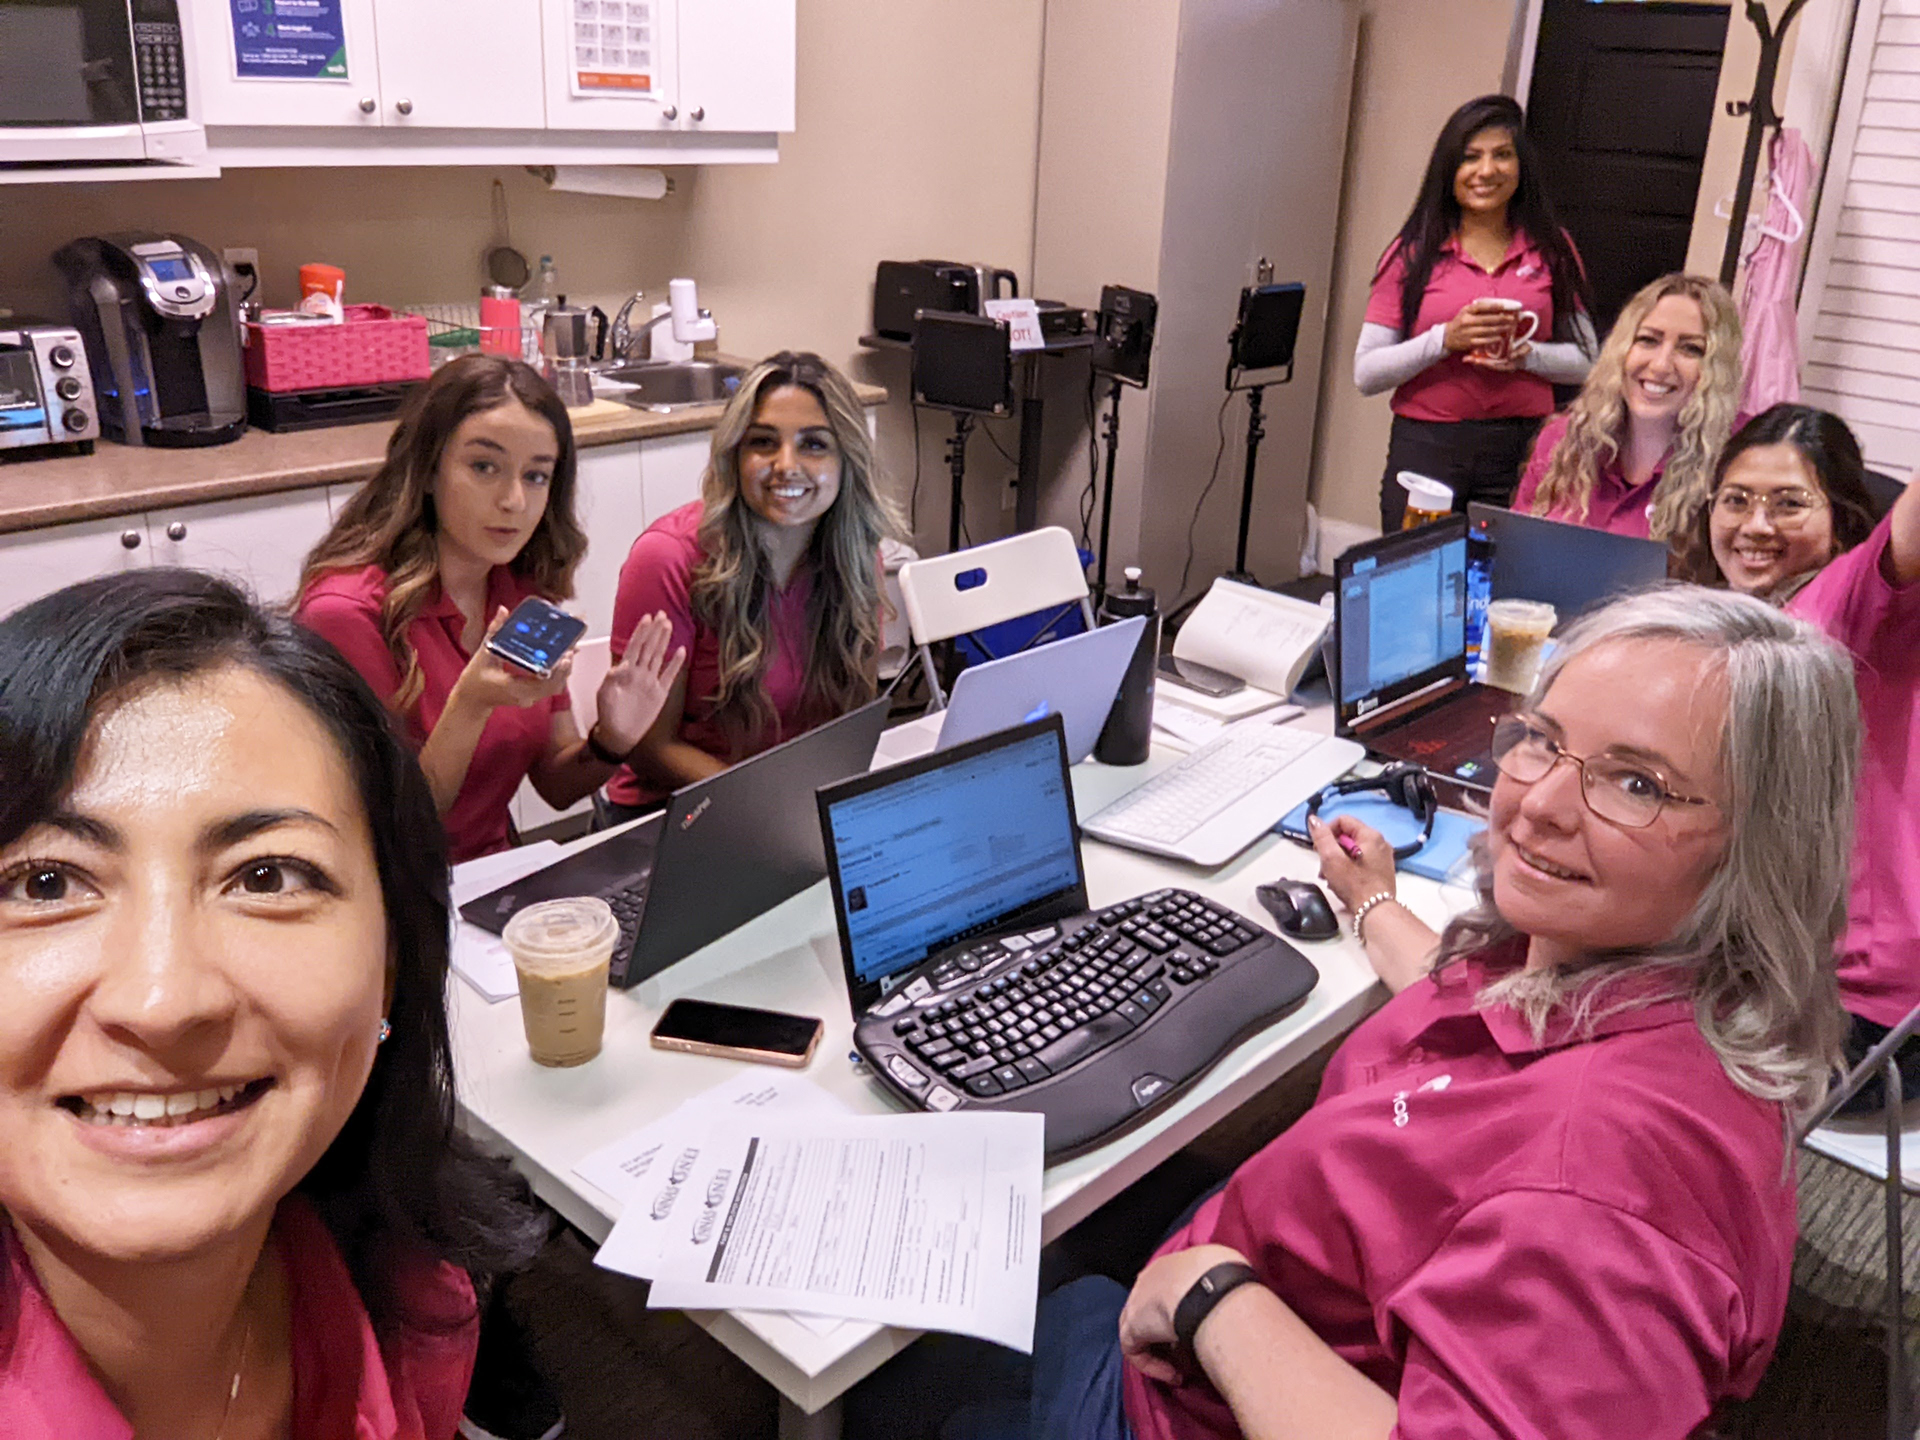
(1436, 215)
(399, 1182)
(1831, 451)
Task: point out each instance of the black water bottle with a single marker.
(1128, 734)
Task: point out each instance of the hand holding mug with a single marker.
(1512, 339)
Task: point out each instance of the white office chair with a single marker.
(968, 590)
(1882, 1157)
(591, 661)
(896, 639)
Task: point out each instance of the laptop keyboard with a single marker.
(1178, 801)
(628, 906)
(1072, 1019)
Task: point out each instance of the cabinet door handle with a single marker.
(699, 112)
(177, 530)
(130, 539)
(405, 107)
(672, 112)
(368, 104)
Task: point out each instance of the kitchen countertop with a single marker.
(126, 479)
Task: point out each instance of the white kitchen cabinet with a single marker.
(472, 64)
(261, 540)
(581, 34)
(736, 67)
(670, 471)
(223, 97)
(612, 510)
(37, 562)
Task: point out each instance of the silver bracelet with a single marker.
(1366, 905)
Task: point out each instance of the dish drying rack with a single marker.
(454, 328)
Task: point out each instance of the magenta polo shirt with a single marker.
(348, 1382)
(1614, 504)
(1451, 389)
(344, 608)
(1880, 627)
(658, 575)
(1563, 1237)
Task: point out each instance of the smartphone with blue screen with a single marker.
(536, 636)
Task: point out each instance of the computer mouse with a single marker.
(1299, 909)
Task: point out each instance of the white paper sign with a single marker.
(614, 43)
(1023, 323)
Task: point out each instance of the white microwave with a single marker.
(95, 80)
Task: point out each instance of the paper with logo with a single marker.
(288, 39)
(613, 48)
(1023, 322)
(481, 958)
(926, 1221)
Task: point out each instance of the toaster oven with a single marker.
(46, 392)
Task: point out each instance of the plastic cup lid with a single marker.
(1525, 612)
(1432, 494)
(556, 929)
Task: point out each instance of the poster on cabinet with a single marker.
(613, 49)
(288, 39)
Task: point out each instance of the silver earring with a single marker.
(386, 1030)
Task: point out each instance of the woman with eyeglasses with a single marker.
(1789, 519)
(1547, 1188)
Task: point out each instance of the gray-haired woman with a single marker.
(1545, 1189)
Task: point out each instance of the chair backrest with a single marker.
(896, 640)
(591, 661)
(970, 589)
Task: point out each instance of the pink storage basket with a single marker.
(372, 346)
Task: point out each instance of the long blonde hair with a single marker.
(1597, 419)
(733, 585)
(390, 522)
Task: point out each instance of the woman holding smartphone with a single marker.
(471, 514)
(1480, 247)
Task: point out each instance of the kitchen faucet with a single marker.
(690, 322)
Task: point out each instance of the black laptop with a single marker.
(1400, 657)
(978, 977)
(1570, 567)
(726, 849)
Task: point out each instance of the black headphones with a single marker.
(1405, 785)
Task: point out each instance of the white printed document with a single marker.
(1265, 638)
(926, 1221)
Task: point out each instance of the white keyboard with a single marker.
(1215, 802)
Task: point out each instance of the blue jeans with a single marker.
(959, 1389)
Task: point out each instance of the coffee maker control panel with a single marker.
(175, 281)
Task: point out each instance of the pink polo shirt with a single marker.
(1453, 390)
(344, 608)
(1570, 1238)
(1880, 627)
(658, 575)
(1614, 504)
(348, 1382)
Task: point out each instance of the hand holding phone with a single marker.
(536, 636)
(737, 1032)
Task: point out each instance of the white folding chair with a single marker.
(896, 640)
(968, 590)
(1863, 1151)
(591, 661)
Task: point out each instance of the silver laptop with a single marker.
(1075, 678)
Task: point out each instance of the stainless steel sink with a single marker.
(670, 384)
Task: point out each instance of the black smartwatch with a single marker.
(1208, 1291)
(601, 752)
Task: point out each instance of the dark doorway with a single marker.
(1619, 105)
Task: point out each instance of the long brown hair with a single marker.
(391, 521)
(1597, 419)
(733, 587)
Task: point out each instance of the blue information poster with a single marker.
(289, 39)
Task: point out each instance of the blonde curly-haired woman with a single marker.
(771, 580)
(1634, 454)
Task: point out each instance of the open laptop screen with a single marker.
(923, 854)
(1400, 615)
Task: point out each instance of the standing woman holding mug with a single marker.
(1479, 251)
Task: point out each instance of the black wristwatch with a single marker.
(599, 751)
(1208, 1291)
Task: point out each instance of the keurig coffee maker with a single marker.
(158, 322)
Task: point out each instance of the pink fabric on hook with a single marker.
(1770, 353)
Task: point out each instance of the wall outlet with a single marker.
(237, 256)
(1010, 497)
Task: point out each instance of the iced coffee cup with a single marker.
(1427, 500)
(1516, 638)
(561, 950)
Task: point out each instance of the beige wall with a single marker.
(1418, 62)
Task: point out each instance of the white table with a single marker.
(546, 1120)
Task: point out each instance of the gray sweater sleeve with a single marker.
(1565, 362)
(1383, 361)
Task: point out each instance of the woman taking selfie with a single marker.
(1789, 519)
(1635, 451)
(235, 1203)
(1480, 246)
(770, 581)
(471, 514)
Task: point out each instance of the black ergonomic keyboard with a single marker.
(1095, 1021)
